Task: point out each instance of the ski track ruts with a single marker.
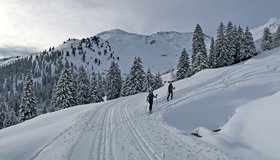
(86, 138)
(160, 134)
(59, 135)
(105, 148)
(145, 148)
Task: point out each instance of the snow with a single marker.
(272, 24)
(159, 51)
(241, 100)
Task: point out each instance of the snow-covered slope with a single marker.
(121, 129)
(159, 51)
(257, 32)
(272, 24)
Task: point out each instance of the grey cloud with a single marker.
(10, 51)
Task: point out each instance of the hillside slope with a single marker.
(159, 51)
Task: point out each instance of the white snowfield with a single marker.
(242, 99)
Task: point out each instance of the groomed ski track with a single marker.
(121, 130)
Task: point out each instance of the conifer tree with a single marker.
(266, 40)
(3, 112)
(136, 77)
(113, 82)
(158, 82)
(247, 48)
(220, 47)
(149, 81)
(229, 43)
(101, 84)
(27, 108)
(83, 93)
(276, 40)
(238, 43)
(125, 86)
(64, 92)
(199, 53)
(183, 67)
(96, 90)
(212, 60)
(7, 115)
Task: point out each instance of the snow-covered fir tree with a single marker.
(238, 43)
(125, 86)
(96, 89)
(229, 44)
(276, 40)
(102, 84)
(113, 82)
(136, 79)
(247, 48)
(220, 47)
(27, 108)
(199, 53)
(3, 112)
(212, 59)
(158, 81)
(183, 67)
(7, 115)
(83, 93)
(266, 40)
(64, 92)
(149, 81)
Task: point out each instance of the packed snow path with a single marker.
(121, 129)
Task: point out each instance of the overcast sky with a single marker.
(38, 24)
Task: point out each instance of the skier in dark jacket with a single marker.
(150, 99)
(170, 91)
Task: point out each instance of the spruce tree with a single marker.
(229, 43)
(267, 40)
(199, 53)
(276, 40)
(238, 43)
(183, 67)
(3, 112)
(125, 86)
(64, 92)
(136, 77)
(101, 84)
(157, 82)
(113, 82)
(83, 93)
(27, 108)
(7, 115)
(96, 90)
(212, 60)
(149, 81)
(247, 48)
(220, 47)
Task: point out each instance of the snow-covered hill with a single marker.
(272, 24)
(257, 32)
(159, 51)
(241, 99)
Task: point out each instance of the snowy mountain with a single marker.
(272, 24)
(257, 32)
(241, 100)
(159, 51)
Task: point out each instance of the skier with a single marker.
(150, 99)
(170, 91)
